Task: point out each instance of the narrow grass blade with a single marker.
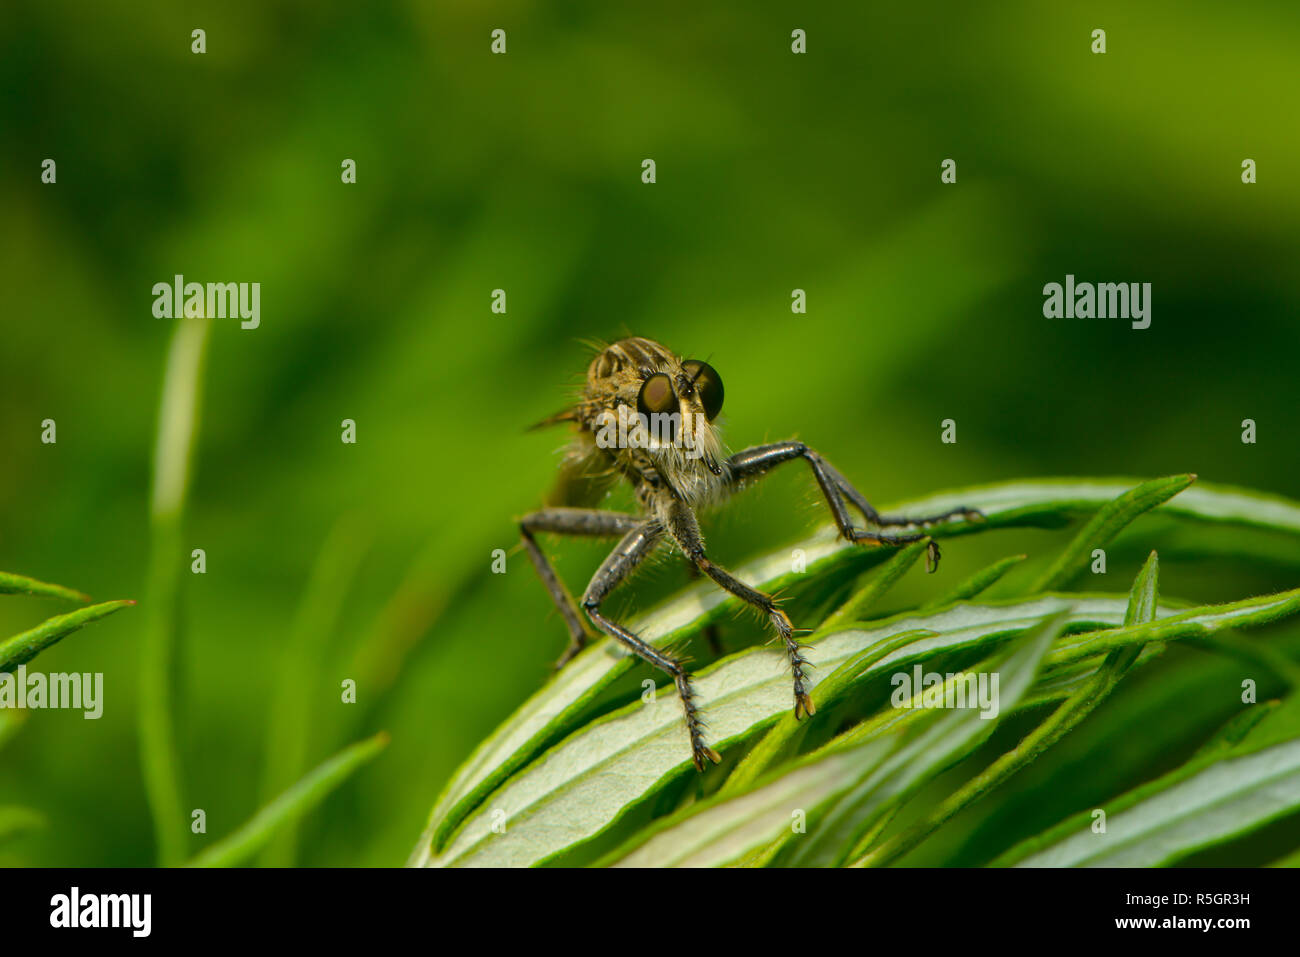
(289, 806)
(178, 416)
(977, 583)
(24, 647)
(730, 829)
(1109, 521)
(1223, 791)
(291, 710)
(22, 585)
(1143, 601)
(782, 741)
(1228, 798)
(855, 608)
(950, 736)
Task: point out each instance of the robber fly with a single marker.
(674, 471)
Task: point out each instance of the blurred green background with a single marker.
(522, 172)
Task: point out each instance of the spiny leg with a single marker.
(635, 545)
(756, 461)
(589, 522)
(685, 530)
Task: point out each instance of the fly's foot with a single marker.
(701, 752)
(932, 556)
(803, 705)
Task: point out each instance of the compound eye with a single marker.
(708, 384)
(657, 396)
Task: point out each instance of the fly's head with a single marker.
(653, 411)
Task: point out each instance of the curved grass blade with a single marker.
(977, 583)
(178, 418)
(1109, 521)
(1143, 602)
(782, 741)
(291, 710)
(727, 829)
(289, 806)
(950, 735)
(22, 585)
(1247, 775)
(24, 647)
(1178, 814)
(855, 608)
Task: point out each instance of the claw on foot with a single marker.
(803, 706)
(703, 751)
(931, 556)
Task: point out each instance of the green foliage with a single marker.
(582, 775)
(22, 648)
(290, 806)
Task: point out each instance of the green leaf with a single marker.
(22, 585)
(880, 582)
(558, 708)
(1144, 596)
(292, 714)
(555, 709)
(1247, 775)
(977, 583)
(1109, 521)
(950, 735)
(729, 829)
(24, 647)
(289, 806)
(781, 742)
(178, 422)
(1142, 606)
(580, 786)
(1177, 814)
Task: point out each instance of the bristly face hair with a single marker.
(672, 476)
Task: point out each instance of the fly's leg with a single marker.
(588, 522)
(756, 461)
(894, 521)
(686, 532)
(711, 629)
(635, 545)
